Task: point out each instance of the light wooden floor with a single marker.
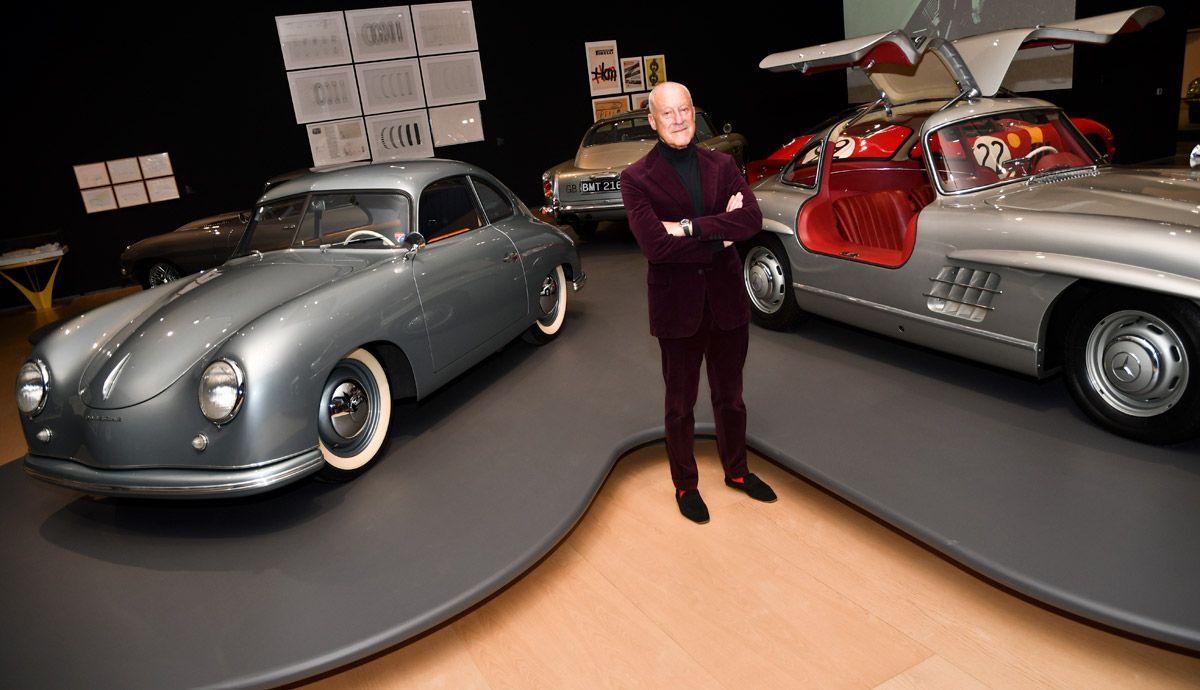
(803, 593)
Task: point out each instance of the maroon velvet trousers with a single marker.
(725, 354)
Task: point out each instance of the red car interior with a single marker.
(868, 211)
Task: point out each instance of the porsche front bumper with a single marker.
(173, 482)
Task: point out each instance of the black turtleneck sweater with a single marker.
(685, 165)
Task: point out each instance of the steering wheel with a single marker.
(387, 241)
(1022, 165)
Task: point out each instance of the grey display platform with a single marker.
(997, 471)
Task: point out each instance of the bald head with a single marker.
(668, 89)
(672, 115)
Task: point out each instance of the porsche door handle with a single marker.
(511, 257)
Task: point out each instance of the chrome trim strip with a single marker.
(965, 285)
(307, 465)
(609, 206)
(1005, 339)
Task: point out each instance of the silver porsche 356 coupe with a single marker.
(587, 188)
(988, 227)
(348, 289)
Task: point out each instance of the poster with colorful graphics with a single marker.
(631, 74)
(640, 101)
(609, 107)
(656, 70)
(602, 62)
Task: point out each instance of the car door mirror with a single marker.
(727, 128)
(414, 239)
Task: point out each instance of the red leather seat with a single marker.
(874, 219)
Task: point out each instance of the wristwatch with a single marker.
(687, 226)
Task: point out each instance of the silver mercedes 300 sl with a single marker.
(348, 290)
(988, 227)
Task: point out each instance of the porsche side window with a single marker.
(273, 226)
(447, 209)
(495, 204)
(704, 128)
(335, 218)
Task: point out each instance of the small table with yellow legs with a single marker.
(40, 296)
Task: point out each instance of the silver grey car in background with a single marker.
(587, 188)
(990, 228)
(195, 246)
(395, 278)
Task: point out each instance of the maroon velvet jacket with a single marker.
(683, 269)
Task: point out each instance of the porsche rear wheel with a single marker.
(768, 279)
(353, 416)
(550, 307)
(1132, 361)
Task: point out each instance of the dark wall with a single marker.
(208, 86)
(1132, 84)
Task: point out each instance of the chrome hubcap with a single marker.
(548, 299)
(763, 275)
(349, 409)
(1137, 363)
(161, 273)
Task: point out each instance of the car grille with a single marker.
(964, 293)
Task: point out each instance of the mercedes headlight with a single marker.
(33, 380)
(221, 391)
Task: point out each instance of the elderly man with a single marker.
(686, 207)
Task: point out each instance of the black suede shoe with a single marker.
(754, 488)
(692, 506)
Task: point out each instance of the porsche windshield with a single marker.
(358, 219)
(1006, 147)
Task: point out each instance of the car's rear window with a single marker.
(631, 129)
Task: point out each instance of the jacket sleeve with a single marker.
(737, 225)
(658, 246)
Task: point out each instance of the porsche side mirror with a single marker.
(414, 239)
(727, 128)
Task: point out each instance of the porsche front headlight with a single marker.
(221, 391)
(33, 380)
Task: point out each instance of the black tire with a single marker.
(551, 306)
(353, 416)
(767, 277)
(159, 272)
(1132, 364)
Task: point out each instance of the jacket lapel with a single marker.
(708, 170)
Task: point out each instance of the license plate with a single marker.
(597, 186)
